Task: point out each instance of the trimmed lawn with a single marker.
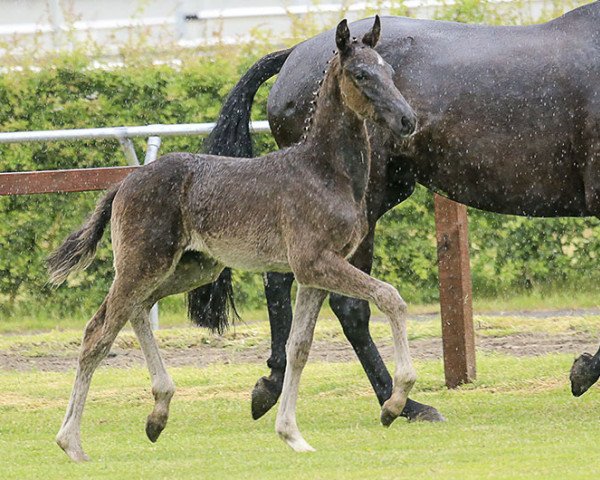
(518, 421)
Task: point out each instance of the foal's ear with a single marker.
(372, 37)
(342, 37)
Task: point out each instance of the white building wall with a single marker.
(47, 24)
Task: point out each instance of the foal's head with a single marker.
(366, 82)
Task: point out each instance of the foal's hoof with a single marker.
(428, 414)
(387, 417)
(296, 442)
(75, 453)
(265, 394)
(583, 375)
(154, 428)
(388, 414)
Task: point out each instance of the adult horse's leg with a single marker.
(584, 373)
(586, 368)
(266, 392)
(308, 304)
(354, 315)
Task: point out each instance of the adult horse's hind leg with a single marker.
(266, 392)
(308, 304)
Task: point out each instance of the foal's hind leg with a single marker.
(308, 304)
(331, 272)
(118, 307)
(163, 387)
(193, 270)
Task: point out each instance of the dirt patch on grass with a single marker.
(530, 344)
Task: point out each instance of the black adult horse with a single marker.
(509, 122)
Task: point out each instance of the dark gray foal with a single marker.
(178, 222)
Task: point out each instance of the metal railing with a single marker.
(121, 134)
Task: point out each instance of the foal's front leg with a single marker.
(308, 304)
(333, 273)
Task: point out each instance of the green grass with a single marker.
(517, 421)
(172, 311)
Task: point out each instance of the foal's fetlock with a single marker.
(292, 436)
(157, 420)
(265, 394)
(155, 424)
(392, 408)
(71, 446)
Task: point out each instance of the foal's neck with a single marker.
(338, 138)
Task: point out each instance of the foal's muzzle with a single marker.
(404, 125)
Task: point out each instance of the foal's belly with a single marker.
(266, 253)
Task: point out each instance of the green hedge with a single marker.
(508, 254)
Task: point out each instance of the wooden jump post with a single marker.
(456, 298)
(450, 217)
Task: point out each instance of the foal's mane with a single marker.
(333, 67)
(315, 99)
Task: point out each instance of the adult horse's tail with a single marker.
(211, 305)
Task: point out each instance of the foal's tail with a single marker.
(78, 250)
(210, 305)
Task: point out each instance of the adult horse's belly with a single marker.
(524, 158)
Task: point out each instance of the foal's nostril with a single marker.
(408, 125)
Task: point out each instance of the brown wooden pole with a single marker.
(52, 181)
(455, 291)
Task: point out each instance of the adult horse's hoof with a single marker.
(264, 396)
(154, 427)
(583, 375)
(427, 414)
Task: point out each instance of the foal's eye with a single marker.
(360, 76)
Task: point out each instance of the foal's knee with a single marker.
(389, 300)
